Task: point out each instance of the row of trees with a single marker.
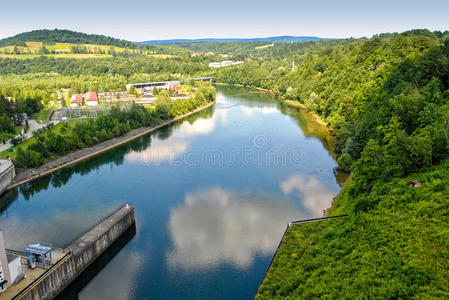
(124, 63)
(56, 142)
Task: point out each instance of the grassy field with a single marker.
(398, 249)
(62, 55)
(33, 47)
(264, 47)
(64, 50)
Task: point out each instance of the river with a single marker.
(212, 193)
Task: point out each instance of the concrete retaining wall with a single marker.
(95, 241)
(79, 255)
(7, 174)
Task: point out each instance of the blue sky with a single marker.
(139, 20)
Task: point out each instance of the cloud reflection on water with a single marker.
(214, 226)
(314, 195)
(248, 110)
(161, 150)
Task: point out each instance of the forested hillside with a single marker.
(387, 100)
(370, 92)
(64, 36)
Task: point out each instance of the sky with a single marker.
(140, 20)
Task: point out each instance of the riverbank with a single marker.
(86, 153)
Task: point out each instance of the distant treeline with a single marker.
(125, 64)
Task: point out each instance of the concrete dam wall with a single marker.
(79, 255)
(7, 174)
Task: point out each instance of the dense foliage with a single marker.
(396, 250)
(385, 95)
(125, 65)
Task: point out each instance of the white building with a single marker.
(226, 63)
(11, 271)
(214, 65)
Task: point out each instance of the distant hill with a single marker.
(273, 39)
(64, 36)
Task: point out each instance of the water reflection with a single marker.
(159, 152)
(208, 231)
(214, 226)
(162, 150)
(248, 110)
(314, 195)
(264, 102)
(121, 288)
(56, 228)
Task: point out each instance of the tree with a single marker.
(6, 124)
(163, 104)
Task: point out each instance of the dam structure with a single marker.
(7, 174)
(79, 255)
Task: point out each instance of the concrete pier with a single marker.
(79, 255)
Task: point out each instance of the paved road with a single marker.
(33, 126)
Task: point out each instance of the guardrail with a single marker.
(289, 224)
(44, 275)
(92, 226)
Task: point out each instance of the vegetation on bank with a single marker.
(387, 99)
(396, 249)
(68, 136)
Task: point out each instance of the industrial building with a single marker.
(224, 63)
(11, 271)
(158, 84)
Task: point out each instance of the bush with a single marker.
(345, 162)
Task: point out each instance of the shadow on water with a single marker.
(7, 199)
(72, 291)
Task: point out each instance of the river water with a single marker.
(212, 194)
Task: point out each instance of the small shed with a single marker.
(415, 183)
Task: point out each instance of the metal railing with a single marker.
(93, 226)
(42, 277)
(289, 224)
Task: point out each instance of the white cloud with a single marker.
(199, 127)
(266, 110)
(159, 151)
(314, 195)
(215, 226)
(166, 150)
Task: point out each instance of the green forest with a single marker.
(387, 101)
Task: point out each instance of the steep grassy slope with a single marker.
(399, 249)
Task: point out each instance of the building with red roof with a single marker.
(91, 98)
(76, 100)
